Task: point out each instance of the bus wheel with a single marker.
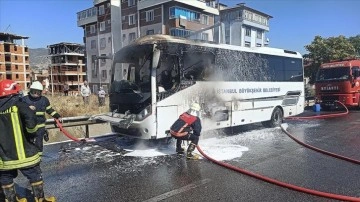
(276, 119)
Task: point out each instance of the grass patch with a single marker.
(71, 106)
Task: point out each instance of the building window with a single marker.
(102, 26)
(15, 48)
(132, 19)
(177, 12)
(16, 58)
(149, 15)
(258, 44)
(131, 3)
(150, 32)
(94, 11)
(131, 37)
(247, 31)
(101, 10)
(93, 44)
(16, 67)
(102, 43)
(109, 39)
(180, 32)
(247, 44)
(205, 19)
(103, 61)
(92, 29)
(205, 36)
(17, 76)
(103, 74)
(259, 34)
(93, 62)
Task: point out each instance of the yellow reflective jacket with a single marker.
(17, 130)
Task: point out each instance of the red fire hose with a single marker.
(319, 150)
(323, 116)
(279, 183)
(70, 136)
(290, 186)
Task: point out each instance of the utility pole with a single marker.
(52, 80)
(78, 77)
(220, 27)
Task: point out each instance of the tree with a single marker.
(323, 50)
(355, 41)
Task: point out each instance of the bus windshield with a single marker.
(336, 73)
(132, 65)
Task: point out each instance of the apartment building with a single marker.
(102, 38)
(66, 67)
(14, 59)
(112, 24)
(243, 26)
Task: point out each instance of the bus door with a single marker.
(166, 116)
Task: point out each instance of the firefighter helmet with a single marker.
(36, 85)
(195, 106)
(8, 87)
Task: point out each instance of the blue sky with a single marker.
(295, 23)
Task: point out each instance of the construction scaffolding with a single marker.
(67, 67)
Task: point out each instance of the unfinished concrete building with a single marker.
(66, 67)
(14, 59)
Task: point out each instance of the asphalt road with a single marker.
(100, 171)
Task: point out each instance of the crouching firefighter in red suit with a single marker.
(17, 149)
(187, 127)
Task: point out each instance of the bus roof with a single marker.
(344, 63)
(158, 38)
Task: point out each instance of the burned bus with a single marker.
(157, 77)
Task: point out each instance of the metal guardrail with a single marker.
(74, 121)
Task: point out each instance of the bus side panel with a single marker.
(251, 116)
(166, 116)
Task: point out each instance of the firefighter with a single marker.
(187, 127)
(40, 104)
(17, 151)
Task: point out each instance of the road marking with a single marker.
(178, 191)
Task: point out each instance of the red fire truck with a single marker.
(338, 81)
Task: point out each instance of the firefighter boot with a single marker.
(189, 154)
(179, 149)
(10, 194)
(38, 192)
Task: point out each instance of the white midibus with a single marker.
(157, 77)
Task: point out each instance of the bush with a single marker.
(69, 106)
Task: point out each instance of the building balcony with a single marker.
(96, 2)
(198, 4)
(86, 17)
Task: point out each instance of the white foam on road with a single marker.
(220, 148)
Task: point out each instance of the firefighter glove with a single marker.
(46, 136)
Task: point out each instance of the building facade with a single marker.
(66, 67)
(14, 59)
(112, 24)
(243, 26)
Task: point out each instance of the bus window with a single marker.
(167, 75)
(125, 73)
(132, 73)
(195, 64)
